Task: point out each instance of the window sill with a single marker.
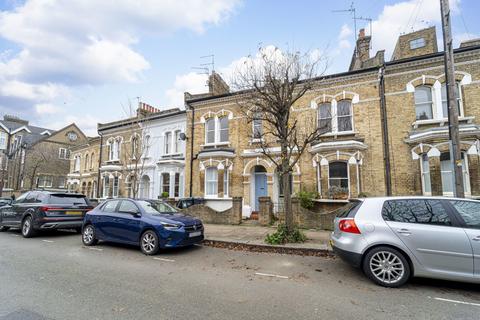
(340, 133)
(256, 140)
(218, 144)
(440, 122)
(216, 198)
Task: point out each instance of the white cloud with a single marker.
(47, 108)
(191, 82)
(65, 43)
(404, 17)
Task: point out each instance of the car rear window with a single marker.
(68, 199)
(349, 210)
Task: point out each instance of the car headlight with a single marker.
(170, 226)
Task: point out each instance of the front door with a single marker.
(432, 234)
(260, 188)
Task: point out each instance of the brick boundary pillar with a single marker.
(237, 204)
(265, 213)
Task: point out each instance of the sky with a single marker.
(90, 61)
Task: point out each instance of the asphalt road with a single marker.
(54, 276)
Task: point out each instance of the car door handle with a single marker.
(405, 232)
(477, 238)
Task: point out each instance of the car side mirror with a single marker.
(134, 213)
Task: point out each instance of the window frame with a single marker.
(334, 117)
(454, 222)
(417, 43)
(465, 174)
(167, 143)
(217, 131)
(458, 215)
(166, 176)
(213, 182)
(430, 102)
(348, 174)
(424, 173)
(458, 99)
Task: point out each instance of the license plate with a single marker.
(195, 234)
(76, 213)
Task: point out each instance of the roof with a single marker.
(34, 133)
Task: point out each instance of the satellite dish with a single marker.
(183, 136)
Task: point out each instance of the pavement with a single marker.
(255, 235)
(53, 276)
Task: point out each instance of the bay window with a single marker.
(115, 187)
(176, 190)
(446, 169)
(338, 174)
(425, 171)
(166, 183)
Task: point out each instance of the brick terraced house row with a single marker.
(142, 156)
(388, 131)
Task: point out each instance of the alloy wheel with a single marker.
(387, 267)
(88, 234)
(148, 242)
(27, 224)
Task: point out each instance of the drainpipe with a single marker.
(383, 117)
(192, 131)
(99, 165)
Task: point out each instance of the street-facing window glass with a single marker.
(416, 211)
(423, 103)
(166, 183)
(458, 98)
(211, 181)
(168, 141)
(223, 128)
(325, 117)
(338, 174)
(469, 211)
(426, 183)
(110, 206)
(210, 130)
(344, 116)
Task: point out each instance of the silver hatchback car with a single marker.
(395, 238)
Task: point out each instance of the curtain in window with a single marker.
(338, 174)
(344, 115)
(223, 127)
(325, 117)
(211, 180)
(423, 103)
(210, 129)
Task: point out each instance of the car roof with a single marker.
(415, 197)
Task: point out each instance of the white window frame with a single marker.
(176, 141)
(213, 182)
(348, 175)
(3, 140)
(105, 186)
(115, 187)
(334, 117)
(226, 182)
(465, 176)
(167, 143)
(176, 178)
(217, 131)
(432, 102)
(417, 43)
(424, 174)
(77, 163)
(62, 153)
(165, 176)
(458, 100)
(257, 127)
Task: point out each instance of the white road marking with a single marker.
(163, 259)
(270, 275)
(457, 301)
(49, 241)
(96, 249)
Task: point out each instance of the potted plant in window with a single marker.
(337, 193)
(165, 195)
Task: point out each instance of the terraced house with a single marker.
(387, 134)
(141, 156)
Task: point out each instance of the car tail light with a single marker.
(348, 225)
(49, 208)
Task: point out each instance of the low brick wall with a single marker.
(308, 219)
(208, 215)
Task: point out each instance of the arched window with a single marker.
(425, 171)
(257, 126)
(458, 98)
(87, 162)
(176, 141)
(168, 142)
(134, 147)
(325, 117)
(338, 174)
(210, 130)
(114, 149)
(76, 166)
(106, 186)
(92, 161)
(223, 129)
(344, 115)
(423, 103)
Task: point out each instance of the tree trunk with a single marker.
(287, 197)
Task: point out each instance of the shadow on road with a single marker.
(170, 251)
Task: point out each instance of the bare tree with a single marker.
(271, 84)
(39, 159)
(136, 151)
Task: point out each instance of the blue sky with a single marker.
(86, 60)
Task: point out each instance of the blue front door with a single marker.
(260, 187)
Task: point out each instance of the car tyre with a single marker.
(27, 227)
(88, 235)
(386, 267)
(149, 243)
(4, 228)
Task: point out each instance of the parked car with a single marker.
(43, 210)
(188, 202)
(151, 224)
(5, 201)
(94, 201)
(395, 238)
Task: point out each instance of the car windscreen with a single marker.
(68, 199)
(349, 210)
(156, 207)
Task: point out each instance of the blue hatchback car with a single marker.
(152, 224)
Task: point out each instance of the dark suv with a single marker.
(43, 210)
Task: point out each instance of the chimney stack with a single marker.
(363, 45)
